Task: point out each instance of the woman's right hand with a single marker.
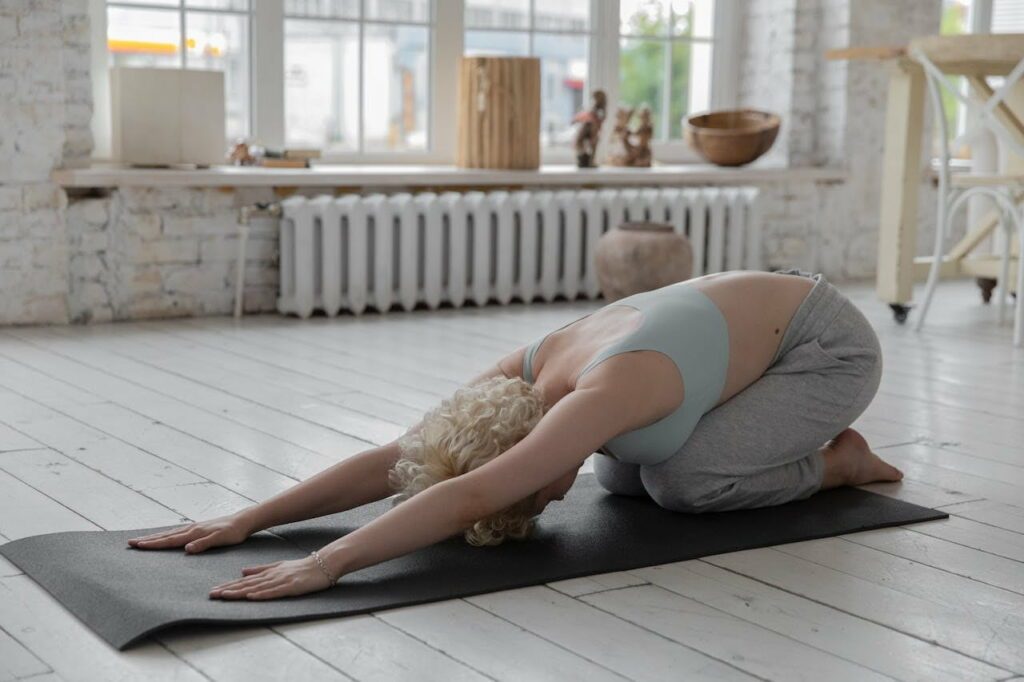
(198, 537)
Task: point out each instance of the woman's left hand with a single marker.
(273, 581)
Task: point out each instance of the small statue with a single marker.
(644, 133)
(633, 146)
(589, 132)
(241, 155)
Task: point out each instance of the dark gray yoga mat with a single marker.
(125, 594)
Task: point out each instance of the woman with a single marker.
(729, 391)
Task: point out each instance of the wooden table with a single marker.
(898, 267)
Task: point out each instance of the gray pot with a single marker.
(637, 257)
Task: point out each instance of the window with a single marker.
(665, 59)
(199, 34)
(973, 16)
(374, 80)
(356, 74)
(1005, 16)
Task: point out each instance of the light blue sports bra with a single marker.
(683, 323)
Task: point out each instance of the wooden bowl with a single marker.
(732, 137)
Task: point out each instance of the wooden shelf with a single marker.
(339, 176)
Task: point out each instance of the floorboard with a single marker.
(770, 605)
(151, 423)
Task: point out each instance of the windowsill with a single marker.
(392, 176)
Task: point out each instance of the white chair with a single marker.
(955, 189)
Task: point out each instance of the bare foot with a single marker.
(849, 461)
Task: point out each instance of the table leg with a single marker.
(901, 174)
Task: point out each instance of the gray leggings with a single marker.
(760, 447)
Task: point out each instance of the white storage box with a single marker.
(167, 116)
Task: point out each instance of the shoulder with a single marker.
(512, 364)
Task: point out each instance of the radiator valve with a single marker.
(261, 209)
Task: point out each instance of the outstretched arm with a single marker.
(358, 480)
(565, 436)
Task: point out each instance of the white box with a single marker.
(167, 116)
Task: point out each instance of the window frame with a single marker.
(266, 93)
(182, 10)
(979, 21)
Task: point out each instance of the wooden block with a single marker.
(499, 112)
(167, 116)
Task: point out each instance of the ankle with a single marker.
(838, 469)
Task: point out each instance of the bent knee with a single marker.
(618, 478)
(682, 496)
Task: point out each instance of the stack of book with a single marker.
(289, 158)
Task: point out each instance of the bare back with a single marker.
(757, 308)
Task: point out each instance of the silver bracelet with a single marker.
(323, 567)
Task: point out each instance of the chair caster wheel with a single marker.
(986, 285)
(899, 312)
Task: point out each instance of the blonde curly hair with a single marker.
(466, 431)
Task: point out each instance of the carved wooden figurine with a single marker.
(631, 147)
(621, 148)
(589, 132)
(644, 133)
(241, 154)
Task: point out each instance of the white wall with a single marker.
(833, 115)
(45, 109)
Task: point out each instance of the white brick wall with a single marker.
(77, 83)
(833, 114)
(142, 253)
(45, 109)
(130, 254)
(134, 253)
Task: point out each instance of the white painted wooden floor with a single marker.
(133, 425)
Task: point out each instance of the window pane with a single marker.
(699, 98)
(643, 17)
(141, 37)
(642, 78)
(321, 84)
(502, 43)
(230, 5)
(955, 20)
(679, 102)
(399, 10)
(220, 42)
(1007, 16)
(566, 15)
(692, 17)
(955, 17)
(396, 76)
(563, 71)
(340, 9)
(497, 13)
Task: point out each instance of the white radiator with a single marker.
(354, 252)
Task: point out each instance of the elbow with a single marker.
(470, 503)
